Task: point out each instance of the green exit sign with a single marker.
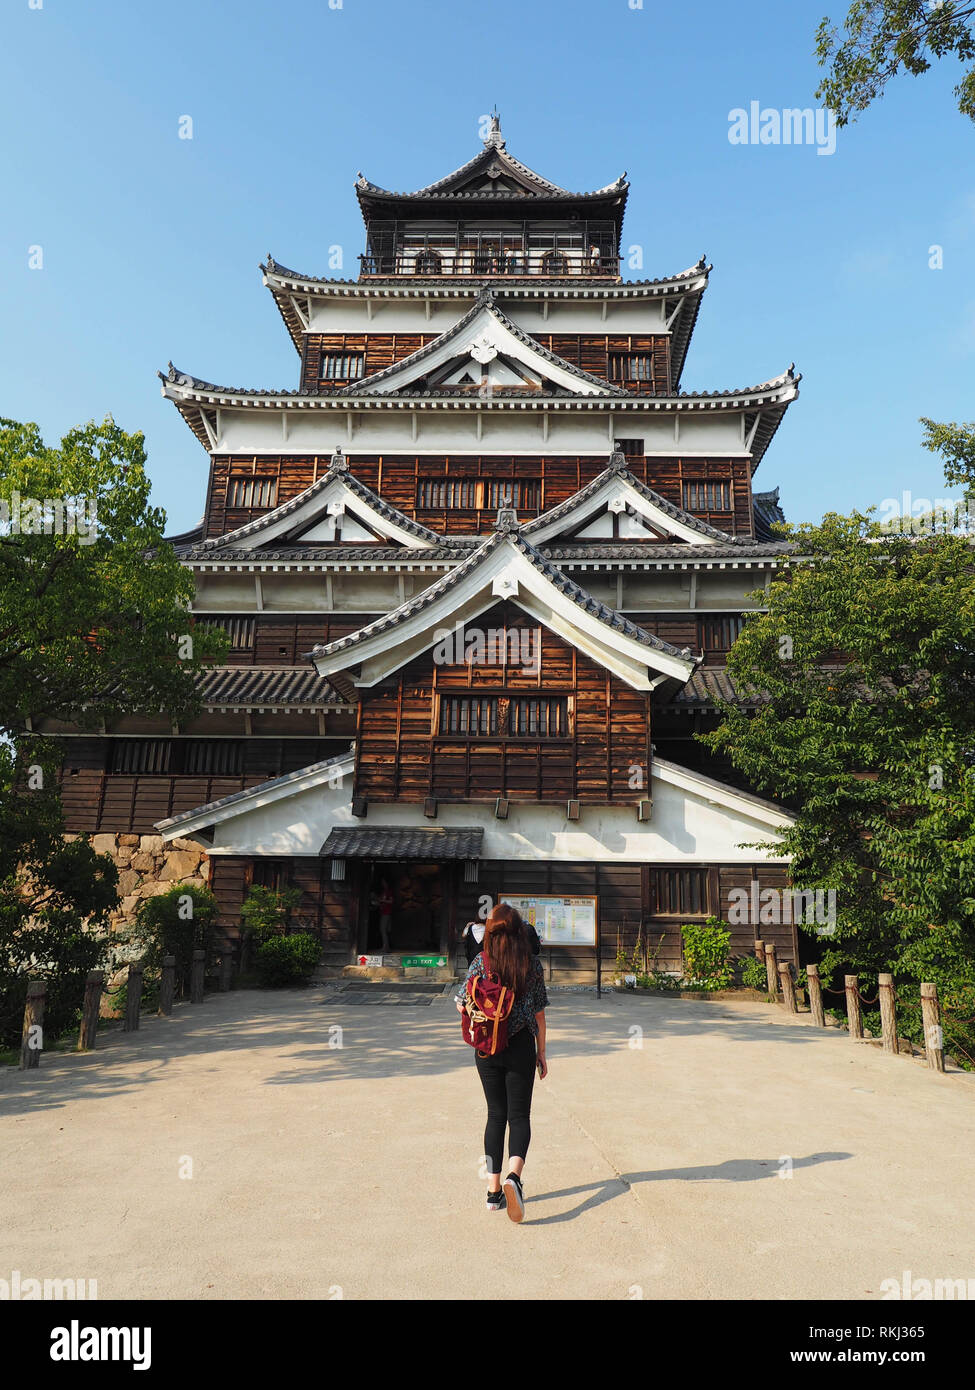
(424, 962)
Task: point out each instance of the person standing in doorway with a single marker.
(386, 901)
(508, 1077)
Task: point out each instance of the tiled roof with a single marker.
(248, 687)
(617, 468)
(652, 550)
(702, 399)
(767, 512)
(337, 469)
(403, 842)
(519, 282)
(506, 286)
(711, 683)
(457, 548)
(485, 300)
(565, 585)
(257, 790)
(494, 152)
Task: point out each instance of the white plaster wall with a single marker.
(410, 315)
(381, 430)
(686, 827)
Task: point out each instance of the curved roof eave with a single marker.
(510, 285)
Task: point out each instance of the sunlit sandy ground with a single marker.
(231, 1152)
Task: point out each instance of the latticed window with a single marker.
(468, 715)
(703, 495)
(679, 892)
(719, 634)
(239, 630)
(631, 366)
(540, 716)
(167, 757)
(500, 716)
(523, 493)
(433, 493)
(251, 492)
(629, 447)
(145, 756)
(272, 873)
(348, 366)
(220, 758)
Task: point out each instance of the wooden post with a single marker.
(167, 987)
(133, 997)
(853, 1006)
(888, 1019)
(815, 996)
(196, 977)
(771, 970)
(788, 989)
(32, 1038)
(934, 1043)
(759, 949)
(226, 970)
(94, 984)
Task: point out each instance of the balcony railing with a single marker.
(432, 265)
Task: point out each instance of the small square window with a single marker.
(342, 366)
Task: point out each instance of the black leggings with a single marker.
(508, 1078)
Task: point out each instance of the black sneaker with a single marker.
(515, 1194)
(495, 1201)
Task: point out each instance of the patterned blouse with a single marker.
(524, 1009)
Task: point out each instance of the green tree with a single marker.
(956, 445)
(267, 911)
(176, 923)
(93, 624)
(867, 655)
(55, 895)
(880, 39)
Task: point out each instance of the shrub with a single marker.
(265, 912)
(751, 972)
(706, 954)
(175, 923)
(658, 979)
(286, 960)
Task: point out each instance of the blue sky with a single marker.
(151, 243)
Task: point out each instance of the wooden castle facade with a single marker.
(480, 573)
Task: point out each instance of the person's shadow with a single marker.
(732, 1170)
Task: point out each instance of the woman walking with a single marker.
(508, 1077)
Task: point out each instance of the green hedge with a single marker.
(286, 960)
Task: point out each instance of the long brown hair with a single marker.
(507, 948)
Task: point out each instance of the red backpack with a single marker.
(487, 1007)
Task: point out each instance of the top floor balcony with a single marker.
(553, 265)
(461, 251)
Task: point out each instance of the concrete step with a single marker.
(392, 968)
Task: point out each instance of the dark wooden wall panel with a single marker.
(395, 477)
(96, 799)
(400, 755)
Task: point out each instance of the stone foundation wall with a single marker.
(148, 865)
